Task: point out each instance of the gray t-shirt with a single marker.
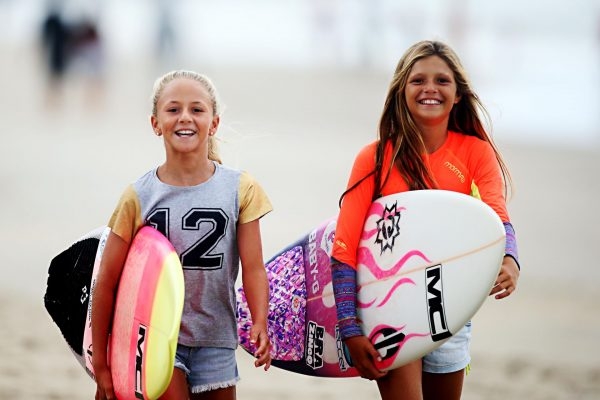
(201, 222)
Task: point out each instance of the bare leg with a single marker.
(402, 383)
(178, 388)
(218, 394)
(443, 386)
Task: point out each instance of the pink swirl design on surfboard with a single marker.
(367, 259)
(393, 289)
(385, 213)
(396, 339)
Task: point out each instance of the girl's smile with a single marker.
(431, 91)
(185, 117)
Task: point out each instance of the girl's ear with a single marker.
(214, 125)
(154, 123)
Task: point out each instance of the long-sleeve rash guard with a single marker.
(464, 164)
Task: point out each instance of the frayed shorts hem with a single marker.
(447, 369)
(452, 356)
(207, 368)
(214, 386)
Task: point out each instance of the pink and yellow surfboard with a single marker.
(147, 314)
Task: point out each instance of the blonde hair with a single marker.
(163, 81)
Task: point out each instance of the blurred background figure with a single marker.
(166, 41)
(72, 48)
(54, 42)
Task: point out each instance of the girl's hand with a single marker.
(506, 282)
(260, 339)
(364, 356)
(104, 385)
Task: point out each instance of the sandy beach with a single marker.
(65, 160)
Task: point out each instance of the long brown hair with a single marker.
(398, 128)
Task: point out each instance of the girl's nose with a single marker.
(185, 115)
(430, 87)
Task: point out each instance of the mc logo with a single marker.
(435, 304)
(139, 361)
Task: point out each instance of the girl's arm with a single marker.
(490, 185)
(256, 288)
(363, 353)
(104, 293)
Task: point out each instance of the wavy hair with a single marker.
(398, 128)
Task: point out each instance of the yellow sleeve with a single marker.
(126, 219)
(253, 200)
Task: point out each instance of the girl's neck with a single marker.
(434, 137)
(186, 173)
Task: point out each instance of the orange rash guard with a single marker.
(463, 164)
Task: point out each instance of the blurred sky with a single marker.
(535, 63)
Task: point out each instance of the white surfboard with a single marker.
(427, 262)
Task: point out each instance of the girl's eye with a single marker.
(416, 81)
(171, 110)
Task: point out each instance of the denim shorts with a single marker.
(451, 356)
(207, 368)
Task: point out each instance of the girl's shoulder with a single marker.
(464, 141)
(245, 179)
(369, 148)
(149, 176)
(226, 168)
(242, 175)
(366, 155)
